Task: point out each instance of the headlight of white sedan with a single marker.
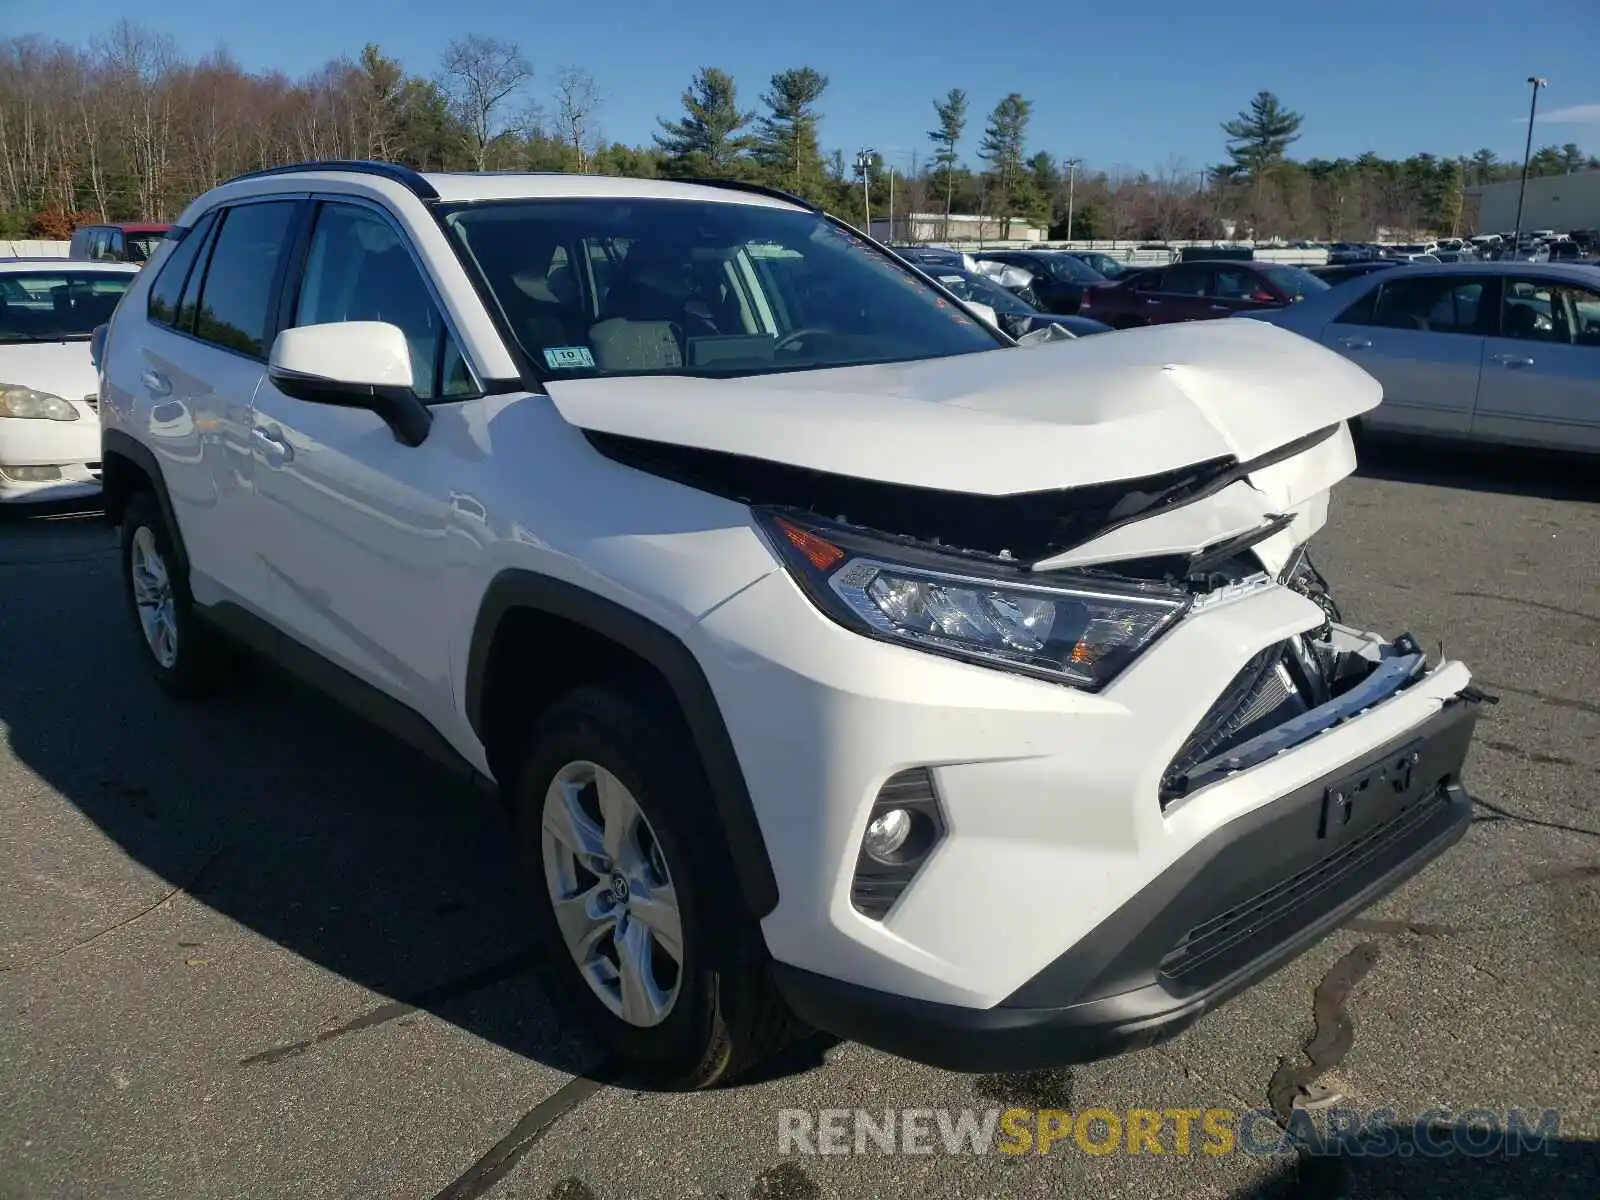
(31, 404)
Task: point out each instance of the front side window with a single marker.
(358, 269)
(236, 295)
(57, 305)
(1231, 283)
(162, 302)
(141, 246)
(1546, 311)
(1071, 270)
(650, 286)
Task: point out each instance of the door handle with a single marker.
(273, 448)
(155, 383)
(1219, 308)
(1512, 360)
(1354, 343)
(1152, 302)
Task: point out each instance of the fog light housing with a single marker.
(901, 831)
(31, 474)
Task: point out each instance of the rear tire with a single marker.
(186, 656)
(616, 829)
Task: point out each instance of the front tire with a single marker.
(650, 945)
(187, 657)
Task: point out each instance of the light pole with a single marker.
(1072, 179)
(1527, 153)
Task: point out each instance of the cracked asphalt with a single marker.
(256, 949)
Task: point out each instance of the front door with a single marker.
(1541, 374)
(1422, 338)
(355, 543)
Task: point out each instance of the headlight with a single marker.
(1072, 629)
(19, 401)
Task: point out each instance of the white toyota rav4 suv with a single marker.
(844, 663)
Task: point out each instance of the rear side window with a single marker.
(162, 304)
(236, 295)
(1186, 280)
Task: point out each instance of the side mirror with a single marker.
(352, 364)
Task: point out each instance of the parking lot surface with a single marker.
(256, 949)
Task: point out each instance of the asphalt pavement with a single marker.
(257, 949)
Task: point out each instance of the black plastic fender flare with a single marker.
(517, 588)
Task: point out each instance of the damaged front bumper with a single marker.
(1245, 900)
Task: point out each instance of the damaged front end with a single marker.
(1292, 691)
(1072, 585)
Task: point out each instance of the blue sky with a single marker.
(1118, 85)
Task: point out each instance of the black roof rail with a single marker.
(758, 189)
(411, 180)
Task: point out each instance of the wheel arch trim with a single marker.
(515, 588)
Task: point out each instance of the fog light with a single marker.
(31, 474)
(887, 834)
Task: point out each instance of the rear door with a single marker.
(1183, 295)
(1541, 369)
(1421, 337)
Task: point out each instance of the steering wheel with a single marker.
(795, 335)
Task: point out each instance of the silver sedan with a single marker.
(1507, 353)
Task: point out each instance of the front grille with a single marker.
(1211, 949)
(1265, 693)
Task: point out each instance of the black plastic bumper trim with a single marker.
(1112, 992)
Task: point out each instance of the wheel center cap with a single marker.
(619, 888)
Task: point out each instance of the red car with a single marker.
(123, 241)
(1197, 291)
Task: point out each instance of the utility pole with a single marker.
(1072, 179)
(1527, 153)
(864, 165)
(891, 203)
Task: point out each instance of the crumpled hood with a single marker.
(1095, 410)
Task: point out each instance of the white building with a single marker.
(1559, 202)
(961, 227)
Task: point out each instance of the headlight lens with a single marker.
(1073, 630)
(25, 402)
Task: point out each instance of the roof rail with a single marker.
(758, 189)
(411, 180)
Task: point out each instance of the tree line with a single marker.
(125, 128)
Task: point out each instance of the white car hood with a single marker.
(61, 368)
(1061, 415)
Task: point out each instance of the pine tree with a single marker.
(952, 114)
(1001, 148)
(707, 140)
(786, 141)
(1260, 134)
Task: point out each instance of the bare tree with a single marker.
(480, 74)
(578, 99)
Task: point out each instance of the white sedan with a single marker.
(49, 390)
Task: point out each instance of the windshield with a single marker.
(54, 306)
(1064, 266)
(978, 289)
(1294, 282)
(602, 287)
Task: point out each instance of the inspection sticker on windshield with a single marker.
(949, 279)
(567, 358)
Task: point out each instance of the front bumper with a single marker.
(71, 447)
(1245, 900)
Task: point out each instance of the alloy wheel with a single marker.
(612, 894)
